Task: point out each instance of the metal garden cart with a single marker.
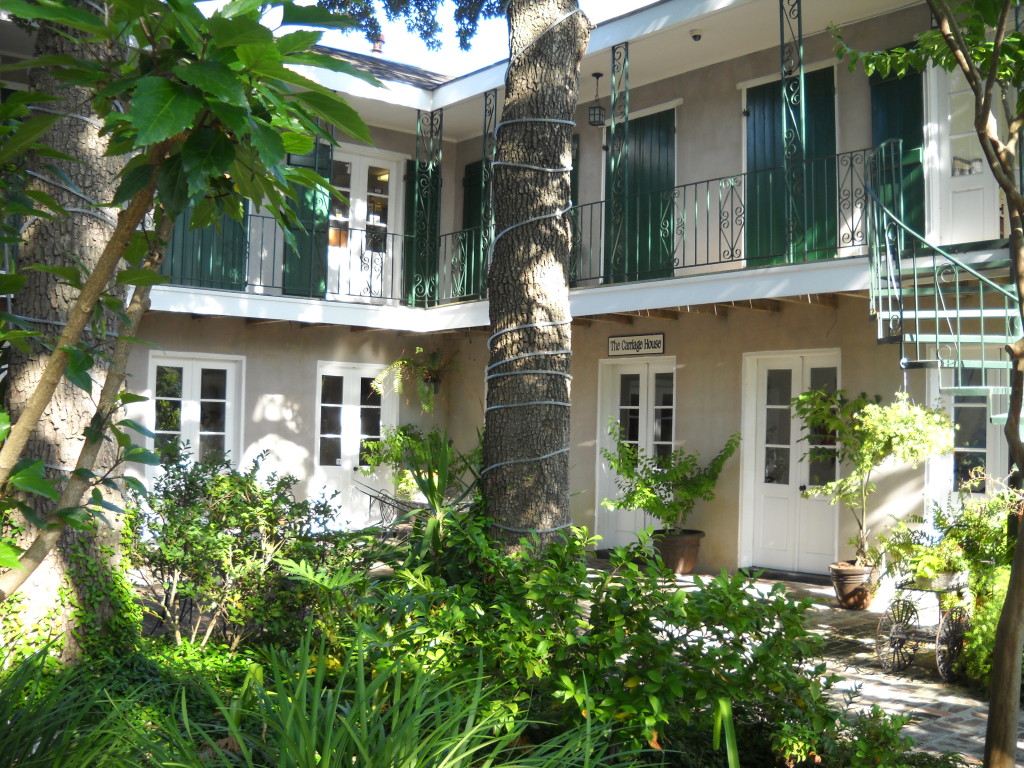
(899, 633)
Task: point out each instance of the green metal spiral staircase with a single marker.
(944, 313)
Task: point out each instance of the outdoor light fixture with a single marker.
(596, 112)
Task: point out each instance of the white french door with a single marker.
(788, 532)
(362, 257)
(350, 413)
(640, 398)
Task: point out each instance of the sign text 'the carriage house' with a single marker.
(628, 346)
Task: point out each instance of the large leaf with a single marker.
(134, 178)
(141, 277)
(77, 370)
(5, 425)
(10, 283)
(229, 33)
(297, 41)
(324, 61)
(268, 143)
(25, 136)
(9, 556)
(215, 79)
(336, 111)
(207, 153)
(315, 16)
(172, 186)
(259, 57)
(30, 476)
(47, 10)
(162, 108)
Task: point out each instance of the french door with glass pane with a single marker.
(790, 532)
(640, 398)
(195, 403)
(350, 414)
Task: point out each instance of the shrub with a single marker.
(205, 542)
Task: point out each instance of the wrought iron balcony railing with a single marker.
(747, 220)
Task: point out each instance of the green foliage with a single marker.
(422, 369)
(407, 451)
(665, 487)
(861, 434)
(979, 642)
(206, 540)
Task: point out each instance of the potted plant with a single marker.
(860, 434)
(424, 370)
(666, 487)
(929, 558)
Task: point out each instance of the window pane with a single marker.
(331, 388)
(367, 394)
(780, 386)
(168, 415)
(629, 389)
(777, 426)
(330, 420)
(212, 417)
(663, 425)
(214, 384)
(629, 425)
(776, 465)
(369, 423)
(330, 451)
(663, 389)
(168, 381)
(210, 446)
(822, 468)
(823, 378)
(964, 463)
(972, 425)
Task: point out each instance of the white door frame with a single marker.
(749, 444)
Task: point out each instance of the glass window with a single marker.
(194, 405)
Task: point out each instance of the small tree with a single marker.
(862, 434)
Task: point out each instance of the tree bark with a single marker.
(47, 302)
(526, 433)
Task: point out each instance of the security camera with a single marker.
(696, 34)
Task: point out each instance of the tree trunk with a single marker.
(45, 302)
(1004, 696)
(526, 434)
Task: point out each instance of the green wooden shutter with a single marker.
(472, 221)
(767, 193)
(212, 257)
(305, 263)
(645, 248)
(419, 277)
(897, 112)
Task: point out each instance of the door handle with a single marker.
(803, 488)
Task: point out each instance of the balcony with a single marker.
(816, 211)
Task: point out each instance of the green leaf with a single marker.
(30, 476)
(332, 64)
(137, 249)
(139, 455)
(134, 425)
(61, 13)
(297, 41)
(69, 275)
(259, 57)
(12, 283)
(268, 143)
(240, 8)
(315, 16)
(128, 398)
(297, 143)
(172, 186)
(77, 369)
(207, 153)
(215, 79)
(141, 277)
(9, 556)
(135, 485)
(5, 425)
(45, 200)
(337, 112)
(230, 33)
(161, 109)
(25, 135)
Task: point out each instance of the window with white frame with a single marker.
(196, 403)
(351, 413)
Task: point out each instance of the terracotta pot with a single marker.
(854, 584)
(678, 550)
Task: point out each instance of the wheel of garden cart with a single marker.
(895, 638)
(949, 640)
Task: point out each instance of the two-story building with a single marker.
(727, 201)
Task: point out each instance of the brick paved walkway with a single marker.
(947, 717)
